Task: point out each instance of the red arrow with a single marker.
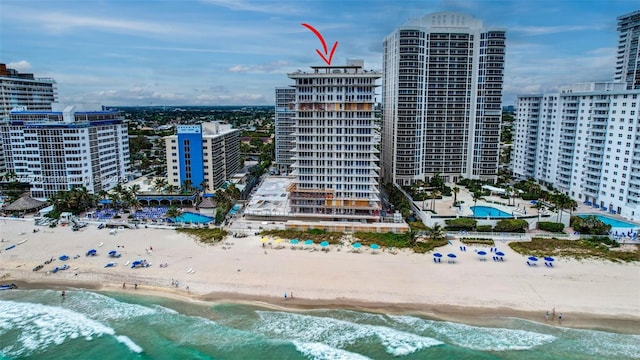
(324, 45)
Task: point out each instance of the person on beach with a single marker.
(285, 295)
(291, 294)
(546, 316)
(63, 294)
(560, 317)
(135, 286)
(553, 314)
(124, 285)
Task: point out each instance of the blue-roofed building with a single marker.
(203, 154)
(61, 150)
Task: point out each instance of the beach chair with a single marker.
(435, 260)
(528, 263)
(551, 264)
(464, 248)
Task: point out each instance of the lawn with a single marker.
(577, 249)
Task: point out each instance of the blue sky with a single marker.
(235, 52)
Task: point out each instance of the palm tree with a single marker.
(434, 195)
(186, 187)
(476, 196)
(134, 189)
(204, 184)
(114, 198)
(436, 232)
(173, 212)
(455, 190)
(159, 184)
(538, 206)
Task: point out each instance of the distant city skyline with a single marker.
(234, 52)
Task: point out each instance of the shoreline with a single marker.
(470, 315)
(590, 293)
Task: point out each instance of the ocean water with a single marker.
(38, 324)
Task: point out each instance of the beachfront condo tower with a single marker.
(23, 90)
(203, 154)
(442, 93)
(335, 163)
(62, 150)
(628, 59)
(285, 125)
(583, 141)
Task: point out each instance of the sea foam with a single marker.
(475, 337)
(40, 326)
(319, 351)
(339, 333)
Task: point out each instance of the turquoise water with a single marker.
(613, 222)
(38, 324)
(194, 218)
(484, 211)
(235, 209)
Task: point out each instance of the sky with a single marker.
(235, 52)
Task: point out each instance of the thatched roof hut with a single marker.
(26, 203)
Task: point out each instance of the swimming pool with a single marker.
(615, 223)
(194, 218)
(235, 209)
(484, 211)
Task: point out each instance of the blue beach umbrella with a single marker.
(308, 242)
(438, 255)
(294, 241)
(453, 256)
(499, 253)
(64, 258)
(374, 246)
(482, 253)
(357, 245)
(548, 258)
(324, 244)
(533, 258)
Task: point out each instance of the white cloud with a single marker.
(546, 30)
(21, 66)
(272, 67)
(261, 6)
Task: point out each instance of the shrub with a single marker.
(550, 226)
(477, 241)
(460, 224)
(527, 196)
(512, 225)
(484, 228)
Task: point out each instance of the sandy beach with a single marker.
(593, 294)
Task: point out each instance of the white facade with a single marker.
(24, 90)
(285, 126)
(219, 150)
(584, 143)
(442, 94)
(335, 163)
(56, 151)
(628, 57)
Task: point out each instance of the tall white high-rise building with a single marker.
(335, 163)
(61, 150)
(285, 126)
(628, 59)
(583, 141)
(24, 90)
(442, 94)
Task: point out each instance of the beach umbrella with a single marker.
(63, 258)
(453, 256)
(483, 253)
(374, 246)
(265, 239)
(324, 244)
(357, 245)
(533, 258)
(308, 242)
(294, 241)
(548, 258)
(499, 253)
(278, 240)
(438, 255)
(112, 252)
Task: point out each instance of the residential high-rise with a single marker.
(583, 141)
(628, 59)
(207, 153)
(24, 90)
(335, 164)
(61, 150)
(442, 93)
(285, 126)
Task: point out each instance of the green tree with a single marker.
(455, 190)
(435, 232)
(173, 212)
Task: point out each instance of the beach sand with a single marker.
(589, 294)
